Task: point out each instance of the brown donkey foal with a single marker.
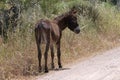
(50, 31)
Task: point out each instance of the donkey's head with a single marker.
(72, 21)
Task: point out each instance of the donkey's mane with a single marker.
(60, 17)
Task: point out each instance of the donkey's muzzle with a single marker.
(77, 30)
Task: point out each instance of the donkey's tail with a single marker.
(37, 35)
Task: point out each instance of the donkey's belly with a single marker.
(55, 32)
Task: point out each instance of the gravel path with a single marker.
(101, 67)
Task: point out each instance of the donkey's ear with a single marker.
(73, 10)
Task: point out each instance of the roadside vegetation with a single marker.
(100, 30)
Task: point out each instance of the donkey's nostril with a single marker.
(77, 31)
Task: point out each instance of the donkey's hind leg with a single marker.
(46, 56)
(38, 42)
(39, 58)
(59, 54)
(52, 56)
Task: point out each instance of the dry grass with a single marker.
(22, 61)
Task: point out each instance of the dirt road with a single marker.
(101, 67)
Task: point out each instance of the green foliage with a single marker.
(48, 6)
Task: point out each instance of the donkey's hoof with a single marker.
(60, 66)
(52, 66)
(40, 70)
(46, 71)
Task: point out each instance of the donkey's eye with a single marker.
(74, 20)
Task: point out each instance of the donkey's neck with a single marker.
(62, 25)
(61, 21)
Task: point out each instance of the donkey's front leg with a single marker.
(59, 55)
(46, 56)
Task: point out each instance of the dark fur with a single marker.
(50, 32)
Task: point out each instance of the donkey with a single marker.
(50, 32)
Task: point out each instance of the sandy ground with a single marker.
(101, 67)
